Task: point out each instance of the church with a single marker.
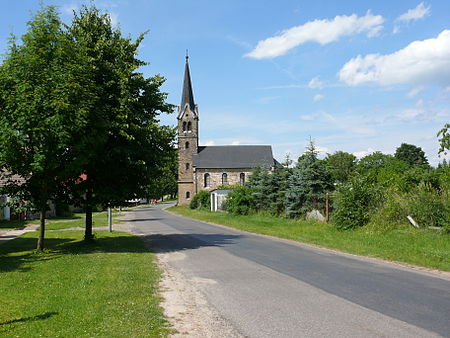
(207, 167)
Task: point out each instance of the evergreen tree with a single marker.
(307, 185)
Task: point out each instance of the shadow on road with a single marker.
(179, 242)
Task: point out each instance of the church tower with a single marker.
(187, 140)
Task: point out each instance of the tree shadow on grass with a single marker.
(18, 254)
(30, 319)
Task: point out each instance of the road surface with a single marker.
(267, 287)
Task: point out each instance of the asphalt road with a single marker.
(274, 288)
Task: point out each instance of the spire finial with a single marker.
(187, 55)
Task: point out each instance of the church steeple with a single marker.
(187, 140)
(187, 97)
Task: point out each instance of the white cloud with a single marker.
(307, 117)
(318, 97)
(209, 143)
(413, 92)
(320, 31)
(315, 83)
(422, 61)
(419, 12)
(236, 143)
(362, 153)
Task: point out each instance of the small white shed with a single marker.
(218, 197)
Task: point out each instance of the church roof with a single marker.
(188, 95)
(234, 157)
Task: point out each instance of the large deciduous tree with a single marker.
(411, 154)
(122, 146)
(40, 115)
(341, 165)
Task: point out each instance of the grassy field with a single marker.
(104, 289)
(426, 248)
(99, 219)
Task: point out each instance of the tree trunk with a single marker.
(40, 243)
(88, 236)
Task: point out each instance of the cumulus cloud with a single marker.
(421, 62)
(318, 97)
(362, 153)
(321, 31)
(417, 13)
(315, 83)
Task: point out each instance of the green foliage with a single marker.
(429, 207)
(340, 165)
(373, 163)
(411, 154)
(307, 185)
(269, 189)
(444, 141)
(201, 200)
(240, 201)
(355, 201)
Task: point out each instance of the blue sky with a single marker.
(357, 76)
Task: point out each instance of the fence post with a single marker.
(327, 207)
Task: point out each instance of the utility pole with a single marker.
(109, 218)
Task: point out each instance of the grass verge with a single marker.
(107, 288)
(413, 246)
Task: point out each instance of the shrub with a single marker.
(429, 207)
(355, 201)
(240, 201)
(202, 200)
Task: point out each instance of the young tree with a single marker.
(411, 154)
(122, 147)
(444, 141)
(307, 185)
(40, 115)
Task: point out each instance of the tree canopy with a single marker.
(411, 154)
(74, 104)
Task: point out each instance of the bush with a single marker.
(240, 201)
(429, 207)
(355, 201)
(202, 200)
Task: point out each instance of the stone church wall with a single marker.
(233, 176)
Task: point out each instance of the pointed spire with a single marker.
(188, 95)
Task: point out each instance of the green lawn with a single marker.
(99, 219)
(104, 289)
(426, 248)
(13, 225)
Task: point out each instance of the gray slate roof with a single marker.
(234, 157)
(188, 95)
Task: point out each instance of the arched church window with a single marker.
(187, 166)
(207, 180)
(242, 178)
(186, 145)
(184, 126)
(188, 195)
(189, 126)
(224, 179)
